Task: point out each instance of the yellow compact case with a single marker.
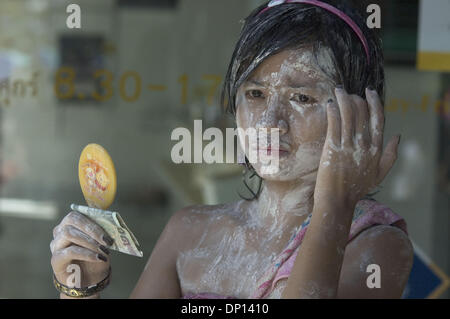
(97, 176)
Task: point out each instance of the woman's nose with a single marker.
(268, 123)
(274, 117)
(282, 126)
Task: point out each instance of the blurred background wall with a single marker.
(181, 48)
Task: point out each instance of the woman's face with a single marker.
(288, 92)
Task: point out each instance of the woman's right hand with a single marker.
(79, 240)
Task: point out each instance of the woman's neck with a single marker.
(283, 206)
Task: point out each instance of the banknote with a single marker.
(113, 224)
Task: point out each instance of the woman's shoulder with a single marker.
(203, 213)
(369, 213)
(376, 226)
(190, 222)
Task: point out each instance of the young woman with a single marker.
(313, 71)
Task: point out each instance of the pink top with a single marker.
(367, 213)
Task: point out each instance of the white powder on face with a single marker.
(297, 61)
(303, 61)
(322, 68)
(298, 108)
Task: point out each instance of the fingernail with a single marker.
(108, 240)
(339, 87)
(104, 249)
(101, 257)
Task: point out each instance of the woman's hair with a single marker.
(297, 25)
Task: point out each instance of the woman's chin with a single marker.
(286, 174)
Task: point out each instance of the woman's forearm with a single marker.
(316, 271)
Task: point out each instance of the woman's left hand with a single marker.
(353, 161)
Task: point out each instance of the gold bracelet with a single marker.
(82, 292)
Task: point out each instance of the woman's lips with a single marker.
(283, 149)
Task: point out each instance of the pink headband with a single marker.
(330, 8)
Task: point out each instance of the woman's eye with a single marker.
(256, 94)
(302, 98)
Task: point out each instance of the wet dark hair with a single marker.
(297, 25)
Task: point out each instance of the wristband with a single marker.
(82, 292)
